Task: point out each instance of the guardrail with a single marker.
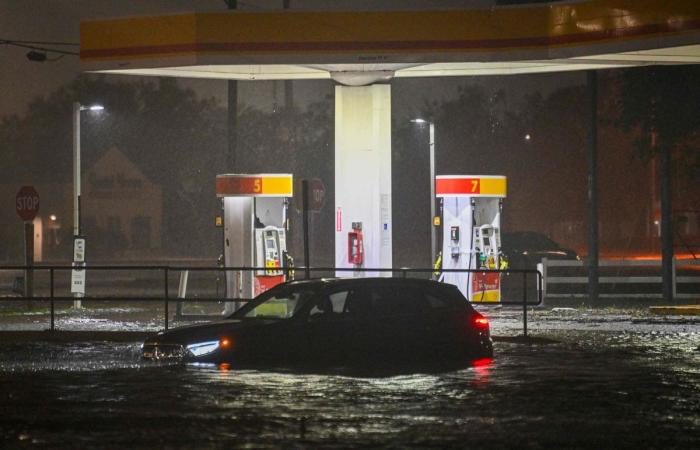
(47, 291)
(620, 278)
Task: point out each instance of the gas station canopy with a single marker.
(358, 48)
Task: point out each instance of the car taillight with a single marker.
(225, 343)
(480, 321)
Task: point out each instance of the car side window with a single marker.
(338, 300)
(444, 298)
(435, 301)
(333, 303)
(281, 305)
(358, 303)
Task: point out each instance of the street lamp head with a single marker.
(92, 108)
(419, 120)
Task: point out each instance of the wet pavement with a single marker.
(612, 378)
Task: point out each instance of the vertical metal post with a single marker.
(433, 229)
(52, 295)
(543, 280)
(305, 224)
(29, 261)
(166, 296)
(666, 223)
(76, 182)
(76, 168)
(592, 141)
(675, 275)
(525, 304)
(232, 110)
(288, 87)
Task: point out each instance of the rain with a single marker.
(596, 336)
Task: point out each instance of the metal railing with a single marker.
(48, 293)
(620, 278)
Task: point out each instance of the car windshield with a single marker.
(275, 304)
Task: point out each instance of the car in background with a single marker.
(525, 249)
(336, 322)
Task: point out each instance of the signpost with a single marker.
(78, 273)
(27, 206)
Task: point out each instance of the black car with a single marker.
(336, 322)
(525, 249)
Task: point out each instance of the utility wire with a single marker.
(35, 47)
(19, 41)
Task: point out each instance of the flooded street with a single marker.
(596, 386)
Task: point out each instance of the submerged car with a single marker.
(336, 322)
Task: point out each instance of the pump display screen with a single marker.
(270, 243)
(486, 240)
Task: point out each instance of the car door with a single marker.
(326, 325)
(444, 320)
(390, 326)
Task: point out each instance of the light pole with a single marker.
(433, 230)
(78, 276)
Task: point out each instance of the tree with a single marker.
(663, 101)
(660, 103)
(175, 138)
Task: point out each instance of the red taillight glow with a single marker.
(480, 321)
(482, 362)
(225, 343)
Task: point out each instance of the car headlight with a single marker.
(202, 348)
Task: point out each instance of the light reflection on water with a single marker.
(592, 390)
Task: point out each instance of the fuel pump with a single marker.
(255, 232)
(454, 242)
(471, 210)
(487, 245)
(270, 245)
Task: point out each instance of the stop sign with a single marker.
(317, 194)
(27, 203)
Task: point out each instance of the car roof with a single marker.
(316, 283)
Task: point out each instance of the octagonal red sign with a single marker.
(27, 203)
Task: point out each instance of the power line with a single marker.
(20, 41)
(21, 44)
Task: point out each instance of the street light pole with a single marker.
(433, 230)
(76, 192)
(76, 168)
(78, 243)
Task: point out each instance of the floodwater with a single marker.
(593, 388)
